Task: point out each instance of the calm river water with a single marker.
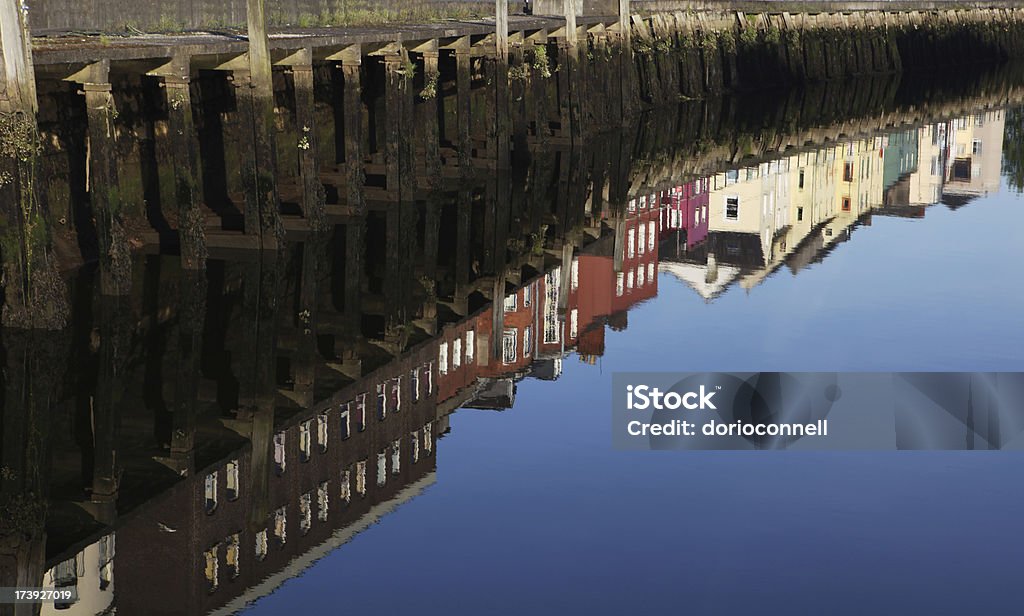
(356, 427)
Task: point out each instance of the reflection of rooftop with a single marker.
(341, 536)
(954, 198)
(696, 277)
(493, 395)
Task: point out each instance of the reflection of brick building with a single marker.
(210, 540)
(213, 542)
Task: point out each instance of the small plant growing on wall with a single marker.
(540, 60)
(429, 90)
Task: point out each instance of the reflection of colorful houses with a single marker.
(685, 209)
(537, 334)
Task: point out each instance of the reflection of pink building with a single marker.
(685, 208)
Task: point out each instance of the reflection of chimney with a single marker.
(618, 321)
(712, 273)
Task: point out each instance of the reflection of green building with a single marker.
(900, 157)
(899, 161)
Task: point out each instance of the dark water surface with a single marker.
(354, 426)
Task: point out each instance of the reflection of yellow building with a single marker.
(792, 209)
(959, 159)
(975, 160)
(926, 182)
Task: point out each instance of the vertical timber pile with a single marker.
(259, 172)
(260, 168)
(34, 295)
(102, 183)
(313, 197)
(181, 131)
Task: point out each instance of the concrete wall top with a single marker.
(58, 16)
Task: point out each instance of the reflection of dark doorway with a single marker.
(962, 170)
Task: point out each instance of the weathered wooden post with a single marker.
(463, 83)
(260, 175)
(17, 78)
(502, 129)
(34, 295)
(625, 59)
(176, 77)
(313, 197)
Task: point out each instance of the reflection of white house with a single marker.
(975, 159)
(959, 159)
(91, 573)
(697, 277)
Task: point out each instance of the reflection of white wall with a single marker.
(94, 565)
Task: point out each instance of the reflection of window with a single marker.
(361, 412)
(846, 204)
(650, 272)
(304, 441)
(321, 432)
(470, 346)
(552, 330)
(414, 443)
(642, 242)
(346, 428)
(732, 208)
(414, 384)
(629, 280)
(574, 322)
(211, 492)
(976, 146)
(232, 556)
(346, 486)
(640, 277)
(457, 351)
(527, 295)
(322, 501)
(232, 479)
(382, 402)
(620, 282)
(396, 457)
(305, 512)
(428, 371)
(361, 478)
(211, 569)
(652, 230)
(799, 214)
(428, 439)
(281, 526)
(395, 401)
(510, 303)
(848, 171)
(279, 459)
(527, 340)
(442, 358)
(574, 275)
(261, 544)
(800, 182)
(508, 346)
(382, 467)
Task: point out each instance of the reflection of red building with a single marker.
(334, 468)
(685, 208)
